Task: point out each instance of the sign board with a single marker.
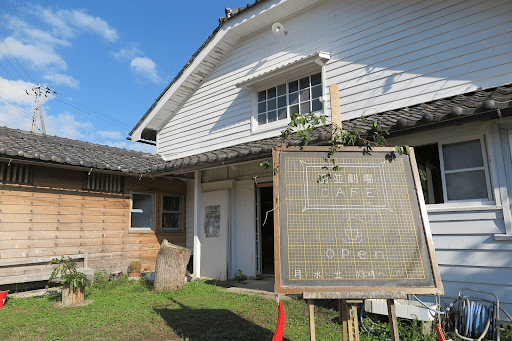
(355, 222)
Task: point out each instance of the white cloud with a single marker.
(14, 92)
(93, 24)
(39, 55)
(66, 23)
(66, 125)
(110, 134)
(60, 79)
(146, 69)
(127, 54)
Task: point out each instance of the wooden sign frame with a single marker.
(351, 287)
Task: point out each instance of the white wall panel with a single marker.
(384, 55)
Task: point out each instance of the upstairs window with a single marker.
(282, 101)
(455, 172)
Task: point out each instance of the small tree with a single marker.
(74, 281)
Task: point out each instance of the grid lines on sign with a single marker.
(350, 222)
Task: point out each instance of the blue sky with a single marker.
(107, 61)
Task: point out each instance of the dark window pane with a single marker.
(466, 185)
(317, 105)
(462, 155)
(171, 203)
(281, 90)
(316, 91)
(262, 119)
(271, 104)
(304, 82)
(262, 95)
(271, 92)
(305, 108)
(294, 109)
(262, 107)
(272, 116)
(293, 98)
(304, 95)
(281, 101)
(281, 113)
(293, 86)
(316, 79)
(171, 220)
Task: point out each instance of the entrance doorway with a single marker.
(267, 230)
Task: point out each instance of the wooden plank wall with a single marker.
(55, 217)
(384, 55)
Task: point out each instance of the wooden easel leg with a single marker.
(311, 320)
(355, 322)
(393, 325)
(344, 318)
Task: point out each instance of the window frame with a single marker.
(485, 167)
(152, 216)
(180, 213)
(256, 127)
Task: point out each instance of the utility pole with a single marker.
(38, 91)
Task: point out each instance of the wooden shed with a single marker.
(61, 197)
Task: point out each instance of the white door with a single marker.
(214, 234)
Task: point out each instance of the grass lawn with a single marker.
(130, 310)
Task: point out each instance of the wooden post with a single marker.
(349, 320)
(393, 325)
(72, 296)
(335, 107)
(311, 320)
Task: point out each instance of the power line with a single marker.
(74, 104)
(7, 47)
(85, 109)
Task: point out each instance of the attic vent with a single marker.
(16, 172)
(103, 182)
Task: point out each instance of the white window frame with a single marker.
(179, 212)
(256, 127)
(132, 211)
(485, 168)
(287, 71)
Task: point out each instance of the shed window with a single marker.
(142, 211)
(171, 212)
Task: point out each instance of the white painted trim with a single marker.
(142, 229)
(197, 225)
(434, 208)
(254, 81)
(502, 237)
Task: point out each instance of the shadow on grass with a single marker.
(212, 324)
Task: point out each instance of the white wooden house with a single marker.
(437, 74)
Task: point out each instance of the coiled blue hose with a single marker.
(476, 319)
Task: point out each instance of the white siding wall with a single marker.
(469, 256)
(384, 55)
